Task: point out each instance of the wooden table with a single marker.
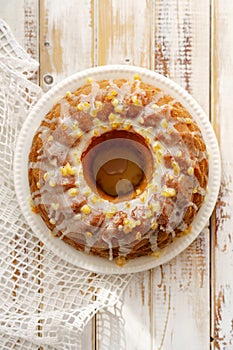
(188, 302)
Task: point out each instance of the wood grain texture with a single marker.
(128, 324)
(181, 47)
(66, 38)
(125, 32)
(66, 46)
(167, 308)
(10, 12)
(180, 300)
(222, 105)
(124, 36)
(181, 287)
(31, 28)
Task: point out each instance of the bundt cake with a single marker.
(118, 169)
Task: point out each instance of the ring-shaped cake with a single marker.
(118, 169)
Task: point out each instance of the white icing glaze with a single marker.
(156, 124)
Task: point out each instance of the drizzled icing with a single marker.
(158, 213)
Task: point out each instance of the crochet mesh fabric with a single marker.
(45, 301)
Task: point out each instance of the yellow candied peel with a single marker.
(190, 170)
(96, 122)
(126, 221)
(89, 234)
(111, 94)
(52, 183)
(77, 133)
(115, 102)
(176, 168)
(138, 191)
(140, 120)
(96, 132)
(157, 146)
(99, 105)
(115, 125)
(85, 209)
(73, 191)
(87, 191)
(68, 94)
(118, 108)
(127, 125)
(94, 113)
(155, 206)
(137, 77)
(109, 214)
(115, 120)
(84, 106)
(164, 124)
(136, 101)
(159, 155)
(68, 170)
(154, 106)
(168, 192)
(154, 224)
(94, 199)
(112, 117)
(138, 236)
(130, 224)
(104, 127)
(120, 261)
(143, 198)
(46, 176)
(50, 138)
(75, 126)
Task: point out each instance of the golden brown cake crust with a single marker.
(133, 228)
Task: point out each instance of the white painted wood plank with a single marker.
(66, 44)
(125, 36)
(31, 29)
(180, 28)
(136, 312)
(22, 17)
(181, 300)
(125, 32)
(222, 106)
(12, 12)
(119, 328)
(181, 287)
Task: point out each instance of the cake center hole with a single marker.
(117, 164)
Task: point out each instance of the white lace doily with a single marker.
(44, 300)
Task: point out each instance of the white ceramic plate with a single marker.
(93, 263)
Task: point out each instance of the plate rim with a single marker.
(62, 249)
